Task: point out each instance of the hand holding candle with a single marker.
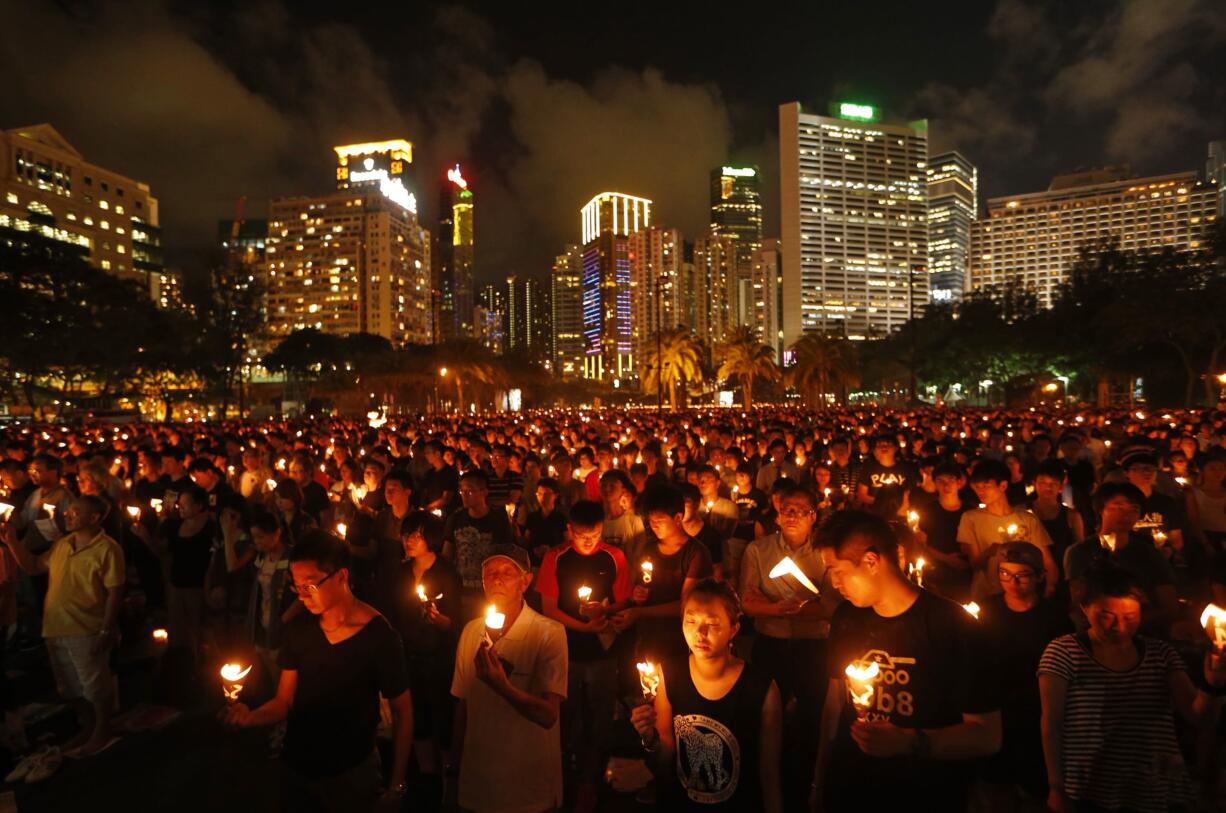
(1213, 619)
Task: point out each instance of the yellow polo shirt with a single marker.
(80, 576)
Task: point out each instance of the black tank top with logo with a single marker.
(716, 765)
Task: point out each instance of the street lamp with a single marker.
(442, 373)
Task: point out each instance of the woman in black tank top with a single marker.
(714, 726)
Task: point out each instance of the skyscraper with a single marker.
(1215, 172)
(47, 187)
(655, 262)
(736, 212)
(853, 217)
(490, 318)
(953, 205)
(768, 296)
(453, 258)
(355, 260)
(716, 281)
(566, 283)
(607, 222)
(1031, 241)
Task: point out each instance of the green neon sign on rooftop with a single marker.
(857, 112)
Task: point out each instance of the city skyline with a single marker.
(1027, 93)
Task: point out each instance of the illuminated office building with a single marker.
(453, 258)
(736, 212)
(853, 213)
(607, 221)
(1215, 172)
(953, 206)
(566, 286)
(715, 282)
(656, 254)
(1032, 241)
(768, 296)
(355, 260)
(48, 188)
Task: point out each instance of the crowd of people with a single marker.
(781, 609)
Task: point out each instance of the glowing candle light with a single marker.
(438, 512)
(134, 512)
(281, 464)
(271, 484)
(972, 608)
(1182, 481)
(647, 568)
(913, 519)
(494, 622)
(156, 505)
(1159, 537)
(860, 680)
(787, 567)
(917, 570)
(1213, 619)
(232, 676)
(6, 511)
(160, 636)
(1110, 541)
(649, 679)
(341, 529)
(50, 509)
(585, 593)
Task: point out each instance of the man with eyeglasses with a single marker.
(1017, 625)
(792, 627)
(334, 665)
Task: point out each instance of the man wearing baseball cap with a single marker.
(510, 683)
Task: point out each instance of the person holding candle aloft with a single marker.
(335, 664)
(715, 722)
(791, 626)
(948, 573)
(507, 738)
(582, 583)
(934, 705)
(1109, 698)
(430, 629)
(981, 531)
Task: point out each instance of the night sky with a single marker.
(548, 104)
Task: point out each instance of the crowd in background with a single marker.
(684, 603)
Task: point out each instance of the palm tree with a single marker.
(466, 359)
(680, 355)
(745, 358)
(823, 364)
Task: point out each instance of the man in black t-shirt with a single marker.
(930, 703)
(470, 533)
(335, 663)
(441, 483)
(884, 477)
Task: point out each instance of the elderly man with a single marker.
(86, 569)
(510, 684)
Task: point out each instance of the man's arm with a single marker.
(832, 710)
(29, 562)
(110, 613)
(402, 736)
(540, 709)
(274, 711)
(1052, 690)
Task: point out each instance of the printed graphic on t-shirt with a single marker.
(1154, 520)
(890, 695)
(708, 758)
(471, 547)
(880, 479)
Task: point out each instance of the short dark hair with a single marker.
(1055, 469)
(796, 490)
(587, 514)
(264, 520)
(1108, 491)
(717, 591)
(663, 500)
(989, 470)
(201, 464)
(175, 452)
(49, 461)
(690, 493)
(1109, 580)
(431, 528)
(851, 534)
(322, 548)
(948, 468)
(199, 495)
(97, 505)
(549, 483)
(401, 477)
(476, 475)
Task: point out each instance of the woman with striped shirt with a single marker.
(1108, 698)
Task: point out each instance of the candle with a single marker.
(1159, 537)
(585, 593)
(156, 505)
(787, 567)
(281, 464)
(972, 608)
(510, 510)
(6, 511)
(341, 529)
(913, 519)
(647, 568)
(1213, 619)
(50, 509)
(134, 512)
(160, 636)
(1182, 481)
(271, 484)
(438, 512)
(917, 570)
(860, 681)
(232, 675)
(1109, 542)
(649, 679)
(494, 622)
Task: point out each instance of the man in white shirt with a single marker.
(507, 741)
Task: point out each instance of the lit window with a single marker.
(104, 224)
(10, 197)
(102, 204)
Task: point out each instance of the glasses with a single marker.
(795, 514)
(1018, 578)
(311, 589)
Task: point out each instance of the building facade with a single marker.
(47, 187)
(355, 260)
(566, 288)
(768, 296)
(454, 248)
(607, 221)
(1215, 172)
(854, 221)
(656, 254)
(953, 206)
(736, 212)
(715, 283)
(1032, 241)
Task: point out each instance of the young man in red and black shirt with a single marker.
(582, 583)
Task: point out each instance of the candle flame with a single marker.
(421, 594)
(1109, 542)
(342, 529)
(494, 619)
(647, 567)
(787, 567)
(231, 675)
(156, 505)
(1213, 619)
(6, 511)
(160, 635)
(860, 683)
(972, 608)
(585, 593)
(134, 511)
(271, 483)
(649, 679)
